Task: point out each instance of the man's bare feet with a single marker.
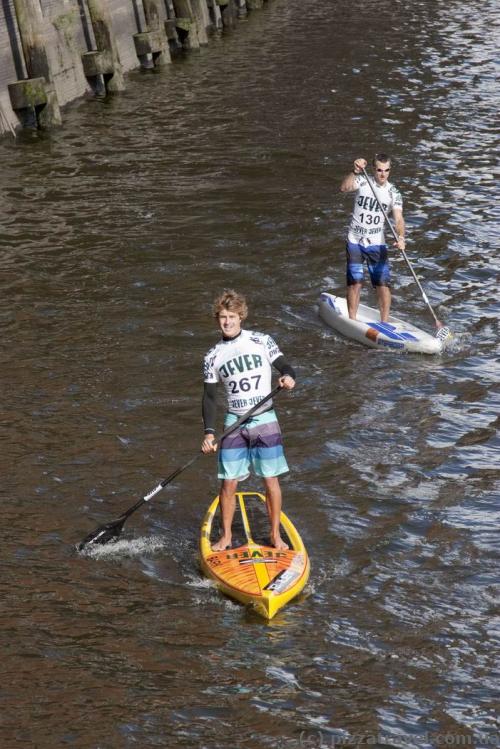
(222, 544)
(278, 543)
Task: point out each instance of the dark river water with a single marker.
(118, 230)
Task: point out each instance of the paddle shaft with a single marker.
(113, 529)
(386, 217)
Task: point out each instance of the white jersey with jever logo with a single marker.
(367, 222)
(243, 365)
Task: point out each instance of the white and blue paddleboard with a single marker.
(368, 330)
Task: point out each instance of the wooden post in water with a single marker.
(36, 94)
(152, 44)
(228, 13)
(105, 60)
(186, 25)
(174, 43)
(202, 16)
(214, 15)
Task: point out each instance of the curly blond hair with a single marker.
(233, 302)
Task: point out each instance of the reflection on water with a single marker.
(118, 230)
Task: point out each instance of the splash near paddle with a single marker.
(370, 331)
(252, 571)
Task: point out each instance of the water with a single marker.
(118, 231)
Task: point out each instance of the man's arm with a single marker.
(287, 372)
(209, 411)
(283, 367)
(209, 406)
(349, 183)
(400, 227)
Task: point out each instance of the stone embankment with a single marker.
(54, 51)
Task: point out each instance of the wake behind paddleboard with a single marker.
(370, 331)
(252, 571)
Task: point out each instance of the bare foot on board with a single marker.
(222, 544)
(278, 543)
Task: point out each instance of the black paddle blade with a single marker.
(104, 534)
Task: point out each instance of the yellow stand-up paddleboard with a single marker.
(252, 571)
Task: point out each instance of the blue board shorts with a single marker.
(256, 447)
(375, 256)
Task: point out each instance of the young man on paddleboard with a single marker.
(243, 361)
(365, 238)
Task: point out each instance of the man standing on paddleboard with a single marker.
(243, 361)
(365, 239)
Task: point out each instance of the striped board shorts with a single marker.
(256, 447)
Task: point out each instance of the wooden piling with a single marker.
(214, 15)
(106, 44)
(174, 43)
(203, 20)
(186, 24)
(30, 23)
(228, 13)
(152, 45)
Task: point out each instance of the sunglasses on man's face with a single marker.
(383, 170)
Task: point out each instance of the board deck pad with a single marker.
(392, 331)
(258, 520)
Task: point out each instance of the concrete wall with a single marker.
(66, 29)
